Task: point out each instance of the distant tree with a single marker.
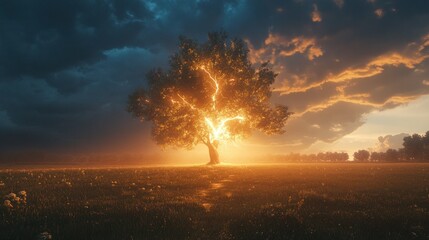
(361, 156)
(376, 157)
(425, 140)
(392, 155)
(413, 147)
(338, 157)
(210, 94)
(344, 156)
(321, 157)
(401, 155)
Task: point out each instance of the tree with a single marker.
(361, 156)
(392, 155)
(377, 157)
(413, 147)
(425, 140)
(210, 94)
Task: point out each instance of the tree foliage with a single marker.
(414, 147)
(208, 82)
(361, 156)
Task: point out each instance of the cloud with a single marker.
(379, 12)
(339, 3)
(389, 141)
(82, 107)
(414, 55)
(315, 15)
(328, 124)
(38, 39)
(276, 46)
(363, 78)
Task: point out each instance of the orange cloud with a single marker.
(275, 48)
(379, 12)
(425, 43)
(276, 45)
(410, 58)
(377, 65)
(359, 99)
(315, 15)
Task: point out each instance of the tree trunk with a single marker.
(214, 155)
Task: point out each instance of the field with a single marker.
(292, 201)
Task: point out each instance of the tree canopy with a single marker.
(361, 156)
(210, 93)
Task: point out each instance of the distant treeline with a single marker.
(416, 149)
(319, 157)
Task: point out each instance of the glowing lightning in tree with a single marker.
(215, 83)
(211, 94)
(218, 131)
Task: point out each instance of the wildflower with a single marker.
(44, 236)
(10, 196)
(22, 193)
(7, 204)
(17, 200)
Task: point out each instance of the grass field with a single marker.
(293, 201)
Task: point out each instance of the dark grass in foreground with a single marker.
(296, 201)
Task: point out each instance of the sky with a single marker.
(355, 73)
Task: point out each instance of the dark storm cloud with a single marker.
(85, 115)
(41, 37)
(66, 67)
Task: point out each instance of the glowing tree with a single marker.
(210, 94)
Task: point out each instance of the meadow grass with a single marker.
(292, 201)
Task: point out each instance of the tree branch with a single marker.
(202, 140)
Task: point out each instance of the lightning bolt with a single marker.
(216, 84)
(217, 131)
(220, 132)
